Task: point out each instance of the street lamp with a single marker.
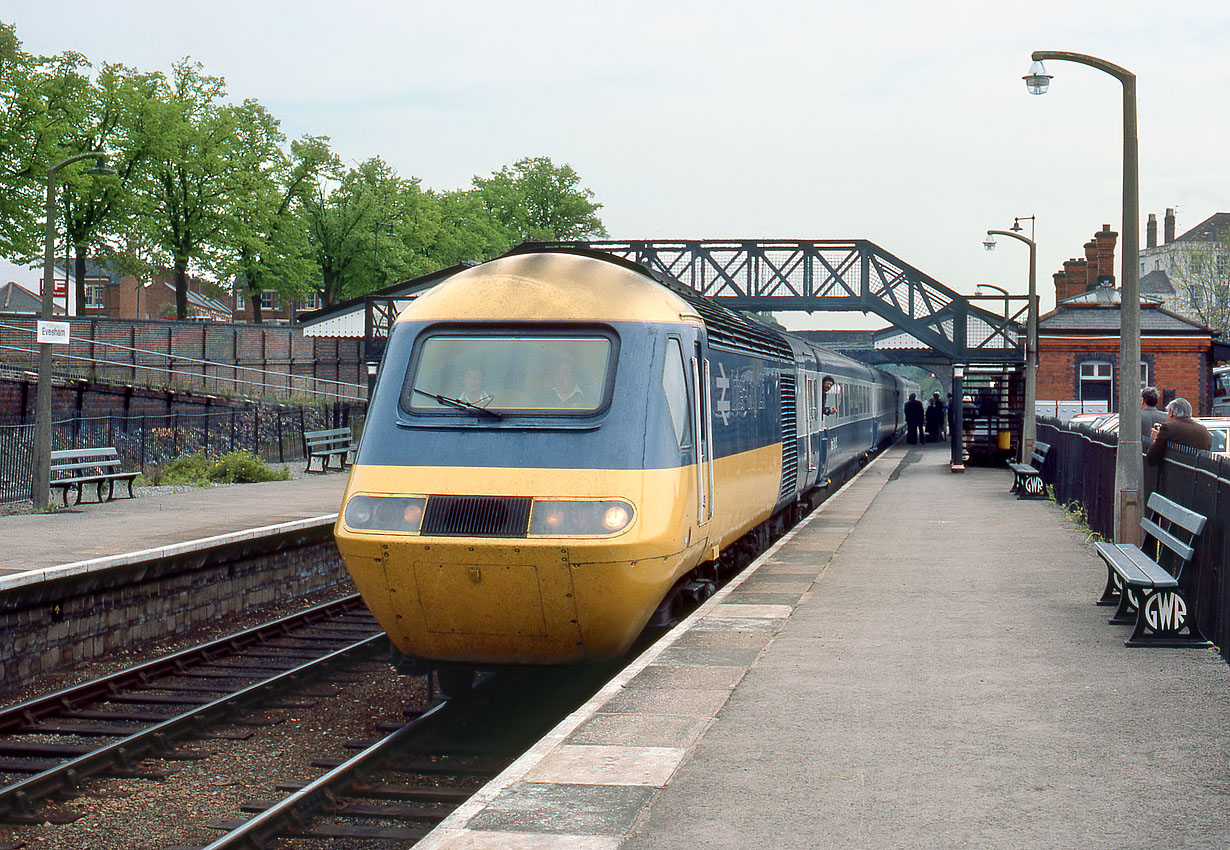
(1029, 423)
(1129, 472)
(376, 247)
(999, 289)
(40, 481)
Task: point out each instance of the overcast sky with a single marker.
(903, 123)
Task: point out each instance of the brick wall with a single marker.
(162, 353)
(1179, 366)
(53, 625)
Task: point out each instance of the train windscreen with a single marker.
(530, 373)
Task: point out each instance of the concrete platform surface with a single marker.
(158, 518)
(920, 665)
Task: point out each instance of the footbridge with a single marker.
(929, 322)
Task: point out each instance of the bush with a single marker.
(197, 470)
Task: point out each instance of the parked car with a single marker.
(1106, 422)
(1086, 418)
(1219, 427)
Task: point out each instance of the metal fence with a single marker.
(1081, 468)
(272, 432)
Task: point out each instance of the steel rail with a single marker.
(314, 798)
(16, 718)
(17, 800)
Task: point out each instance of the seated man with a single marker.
(565, 392)
(1179, 429)
(472, 391)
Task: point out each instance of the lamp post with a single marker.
(999, 289)
(1029, 423)
(376, 247)
(40, 481)
(1129, 470)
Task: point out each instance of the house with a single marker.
(1174, 271)
(15, 298)
(1078, 341)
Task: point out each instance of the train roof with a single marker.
(530, 286)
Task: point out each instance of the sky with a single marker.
(903, 123)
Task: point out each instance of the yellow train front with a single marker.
(537, 471)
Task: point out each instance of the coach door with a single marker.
(702, 436)
(811, 424)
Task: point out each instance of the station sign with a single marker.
(53, 333)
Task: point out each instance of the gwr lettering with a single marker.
(1165, 612)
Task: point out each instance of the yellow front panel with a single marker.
(544, 600)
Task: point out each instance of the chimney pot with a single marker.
(1168, 226)
(1151, 231)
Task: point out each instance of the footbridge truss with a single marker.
(927, 318)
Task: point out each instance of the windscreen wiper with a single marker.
(458, 403)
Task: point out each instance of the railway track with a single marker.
(105, 727)
(398, 788)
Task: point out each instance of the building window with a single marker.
(269, 300)
(241, 300)
(1096, 377)
(94, 295)
(1144, 374)
(310, 302)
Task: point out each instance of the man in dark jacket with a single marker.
(1179, 429)
(914, 417)
(1150, 415)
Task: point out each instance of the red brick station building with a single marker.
(1078, 341)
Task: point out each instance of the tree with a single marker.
(206, 162)
(466, 230)
(534, 200)
(40, 99)
(1200, 274)
(349, 217)
(101, 207)
(270, 247)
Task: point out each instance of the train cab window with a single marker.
(675, 385)
(538, 374)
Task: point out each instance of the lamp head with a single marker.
(100, 166)
(1016, 226)
(1037, 80)
(989, 242)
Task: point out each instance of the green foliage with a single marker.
(205, 186)
(198, 470)
(535, 200)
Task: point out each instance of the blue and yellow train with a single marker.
(559, 441)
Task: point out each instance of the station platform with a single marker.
(158, 519)
(920, 664)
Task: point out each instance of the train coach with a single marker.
(559, 442)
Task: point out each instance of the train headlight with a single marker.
(553, 517)
(385, 513)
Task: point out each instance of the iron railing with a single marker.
(272, 432)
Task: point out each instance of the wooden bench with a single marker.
(1147, 593)
(1027, 477)
(329, 443)
(75, 469)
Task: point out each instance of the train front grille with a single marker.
(477, 516)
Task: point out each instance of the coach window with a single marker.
(675, 385)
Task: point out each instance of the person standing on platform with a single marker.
(1179, 429)
(1150, 415)
(914, 418)
(935, 418)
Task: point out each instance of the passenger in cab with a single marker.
(565, 392)
(472, 391)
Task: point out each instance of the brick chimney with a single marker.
(1091, 269)
(1151, 231)
(1106, 239)
(1168, 226)
(1072, 280)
